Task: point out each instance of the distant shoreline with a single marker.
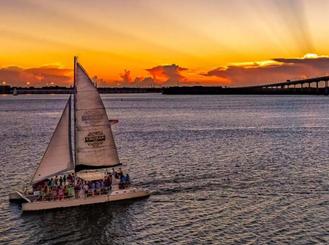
(65, 90)
(187, 90)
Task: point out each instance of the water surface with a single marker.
(222, 169)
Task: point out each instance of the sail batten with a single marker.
(94, 143)
(58, 156)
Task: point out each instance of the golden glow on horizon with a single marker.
(260, 63)
(314, 56)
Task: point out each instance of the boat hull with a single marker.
(14, 197)
(119, 195)
(18, 197)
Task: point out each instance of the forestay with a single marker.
(58, 156)
(94, 143)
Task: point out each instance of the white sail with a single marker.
(58, 156)
(94, 143)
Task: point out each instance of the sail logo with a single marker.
(95, 139)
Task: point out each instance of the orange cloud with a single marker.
(127, 80)
(161, 75)
(126, 76)
(275, 70)
(37, 76)
(167, 74)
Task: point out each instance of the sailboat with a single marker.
(84, 146)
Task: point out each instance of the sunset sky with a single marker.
(139, 42)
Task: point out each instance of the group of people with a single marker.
(72, 186)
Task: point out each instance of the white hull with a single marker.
(119, 195)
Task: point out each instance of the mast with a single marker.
(70, 130)
(74, 109)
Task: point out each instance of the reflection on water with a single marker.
(222, 169)
(104, 222)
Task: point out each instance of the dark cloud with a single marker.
(279, 69)
(316, 63)
(37, 76)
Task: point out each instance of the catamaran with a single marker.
(84, 146)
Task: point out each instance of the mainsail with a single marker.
(94, 143)
(58, 156)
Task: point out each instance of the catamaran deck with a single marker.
(119, 195)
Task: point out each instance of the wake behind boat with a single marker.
(74, 170)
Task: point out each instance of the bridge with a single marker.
(300, 84)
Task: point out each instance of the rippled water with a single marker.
(222, 169)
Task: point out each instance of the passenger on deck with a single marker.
(81, 192)
(65, 189)
(127, 180)
(45, 192)
(70, 191)
(50, 182)
(60, 193)
(93, 187)
(70, 179)
(122, 182)
(115, 174)
(76, 191)
(98, 188)
(54, 193)
(120, 173)
(86, 188)
(109, 179)
(56, 180)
